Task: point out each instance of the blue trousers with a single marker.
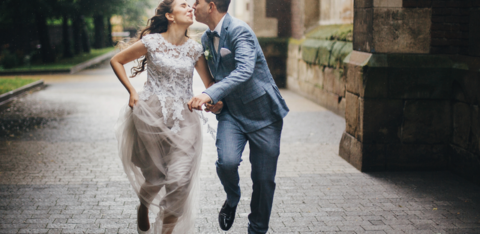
(264, 152)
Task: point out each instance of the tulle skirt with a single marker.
(162, 165)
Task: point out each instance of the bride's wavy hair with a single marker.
(157, 24)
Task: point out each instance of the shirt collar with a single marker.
(218, 29)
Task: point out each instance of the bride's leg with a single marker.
(176, 198)
(169, 223)
(169, 219)
(147, 193)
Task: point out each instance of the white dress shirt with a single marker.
(218, 29)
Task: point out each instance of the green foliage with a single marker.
(134, 13)
(342, 32)
(328, 45)
(10, 84)
(11, 11)
(325, 52)
(9, 60)
(19, 18)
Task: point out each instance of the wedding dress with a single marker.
(160, 140)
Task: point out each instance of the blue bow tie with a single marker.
(212, 35)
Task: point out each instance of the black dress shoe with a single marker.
(226, 216)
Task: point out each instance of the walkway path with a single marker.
(59, 173)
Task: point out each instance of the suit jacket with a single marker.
(243, 81)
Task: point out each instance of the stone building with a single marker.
(405, 74)
(322, 33)
(412, 87)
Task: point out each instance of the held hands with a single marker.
(198, 101)
(214, 108)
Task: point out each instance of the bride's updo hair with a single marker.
(157, 24)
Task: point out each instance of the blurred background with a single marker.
(45, 31)
(66, 32)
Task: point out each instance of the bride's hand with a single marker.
(133, 99)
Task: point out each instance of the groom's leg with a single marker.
(264, 152)
(230, 145)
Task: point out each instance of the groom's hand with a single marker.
(198, 101)
(216, 109)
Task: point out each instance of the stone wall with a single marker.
(315, 67)
(412, 102)
(262, 25)
(281, 10)
(275, 51)
(411, 112)
(465, 142)
(336, 12)
(308, 14)
(312, 13)
(454, 25)
(385, 27)
(398, 114)
(297, 24)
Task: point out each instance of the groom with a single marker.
(253, 111)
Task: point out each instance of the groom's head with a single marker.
(206, 9)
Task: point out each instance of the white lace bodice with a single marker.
(170, 72)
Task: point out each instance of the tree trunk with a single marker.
(67, 50)
(77, 35)
(85, 39)
(47, 53)
(99, 23)
(109, 35)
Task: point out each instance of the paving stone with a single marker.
(8, 230)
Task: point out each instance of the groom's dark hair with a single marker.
(222, 5)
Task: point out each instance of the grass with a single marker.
(64, 63)
(9, 84)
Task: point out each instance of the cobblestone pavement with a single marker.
(59, 173)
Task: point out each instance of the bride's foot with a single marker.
(169, 223)
(142, 219)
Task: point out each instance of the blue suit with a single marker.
(253, 111)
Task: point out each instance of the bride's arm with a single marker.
(202, 69)
(133, 52)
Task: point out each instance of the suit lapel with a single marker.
(211, 62)
(223, 35)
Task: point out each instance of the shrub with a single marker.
(9, 60)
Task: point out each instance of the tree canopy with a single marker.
(24, 21)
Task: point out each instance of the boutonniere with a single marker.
(208, 54)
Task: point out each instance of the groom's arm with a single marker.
(245, 59)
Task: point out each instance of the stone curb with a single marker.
(92, 62)
(72, 70)
(8, 97)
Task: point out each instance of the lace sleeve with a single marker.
(150, 42)
(197, 51)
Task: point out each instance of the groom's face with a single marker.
(201, 8)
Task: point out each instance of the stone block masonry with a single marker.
(276, 52)
(412, 86)
(319, 83)
(406, 79)
(392, 29)
(315, 67)
(412, 112)
(455, 25)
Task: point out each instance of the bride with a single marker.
(159, 139)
